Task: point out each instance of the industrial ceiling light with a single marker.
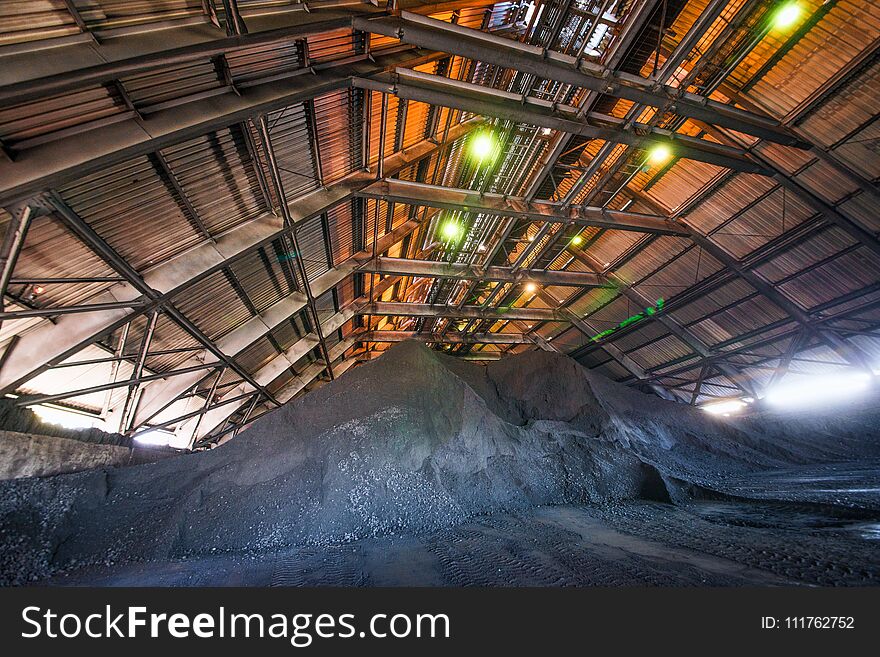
(577, 240)
(724, 407)
(816, 390)
(451, 231)
(483, 146)
(660, 154)
(786, 16)
(530, 287)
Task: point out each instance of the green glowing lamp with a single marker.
(786, 16)
(577, 240)
(483, 146)
(659, 154)
(451, 231)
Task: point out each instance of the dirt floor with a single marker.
(708, 543)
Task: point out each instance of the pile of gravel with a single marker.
(414, 441)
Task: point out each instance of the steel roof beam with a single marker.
(83, 62)
(105, 63)
(58, 162)
(399, 309)
(299, 383)
(492, 49)
(420, 194)
(155, 397)
(238, 397)
(678, 330)
(770, 292)
(745, 271)
(484, 101)
(463, 271)
(798, 187)
(478, 356)
(617, 50)
(617, 354)
(86, 234)
(289, 223)
(362, 306)
(448, 338)
(266, 375)
(704, 21)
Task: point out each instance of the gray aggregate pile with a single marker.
(413, 442)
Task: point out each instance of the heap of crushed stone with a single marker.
(414, 441)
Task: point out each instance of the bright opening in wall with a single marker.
(65, 418)
(154, 437)
(530, 11)
(786, 16)
(726, 407)
(819, 390)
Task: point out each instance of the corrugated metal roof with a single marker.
(294, 150)
(218, 177)
(338, 125)
(37, 122)
(153, 208)
(131, 207)
(213, 305)
(847, 29)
